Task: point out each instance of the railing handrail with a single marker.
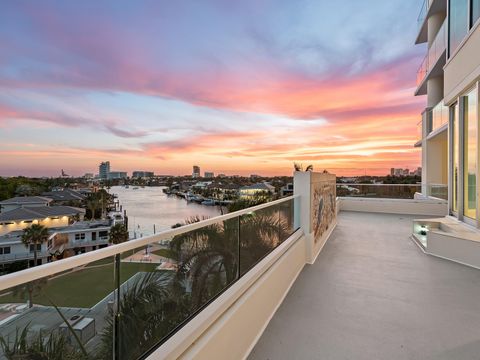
(418, 185)
(24, 276)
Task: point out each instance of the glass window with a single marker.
(80, 236)
(32, 247)
(470, 155)
(475, 11)
(459, 22)
(455, 157)
(6, 250)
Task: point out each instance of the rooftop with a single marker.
(20, 200)
(39, 212)
(65, 195)
(372, 292)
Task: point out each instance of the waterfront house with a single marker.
(251, 191)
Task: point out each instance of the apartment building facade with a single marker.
(449, 77)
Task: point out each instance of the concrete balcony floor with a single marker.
(372, 294)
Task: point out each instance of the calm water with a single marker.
(148, 206)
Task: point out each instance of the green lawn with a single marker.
(165, 253)
(83, 288)
(109, 260)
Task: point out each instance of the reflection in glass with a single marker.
(455, 156)
(63, 316)
(470, 157)
(458, 17)
(163, 285)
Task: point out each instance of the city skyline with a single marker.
(246, 94)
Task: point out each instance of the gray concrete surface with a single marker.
(372, 294)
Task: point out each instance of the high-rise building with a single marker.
(104, 170)
(117, 175)
(449, 130)
(196, 171)
(209, 175)
(142, 174)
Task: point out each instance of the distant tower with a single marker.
(196, 171)
(64, 174)
(104, 170)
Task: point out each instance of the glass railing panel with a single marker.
(423, 14)
(439, 191)
(419, 130)
(440, 115)
(438, 47)
(422, 71)
(390, 191)
(64, 316)
(287, 218)
(260, 232)
(162, 285)
(434, 52)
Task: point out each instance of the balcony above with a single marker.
(422, 35)
(429, 7)
(434, 62)
(436, 121)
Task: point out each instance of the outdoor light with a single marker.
(423, 230)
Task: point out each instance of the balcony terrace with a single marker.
(429, 7)
(210, 289)
(433, 63)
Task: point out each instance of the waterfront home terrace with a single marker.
(47, 215)
(241, 266)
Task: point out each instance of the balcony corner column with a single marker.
(317, 208)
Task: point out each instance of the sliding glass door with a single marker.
(465, 157)
(470, 154)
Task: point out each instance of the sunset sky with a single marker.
(236, 87)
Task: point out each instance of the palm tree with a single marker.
(148, 310)
(118, 234)
(29, 289)
(208, 258)
(212, 257)
(41, 346)
(34, 235)
(92, 205)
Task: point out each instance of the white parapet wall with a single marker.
(427, 207)
(462, 247)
